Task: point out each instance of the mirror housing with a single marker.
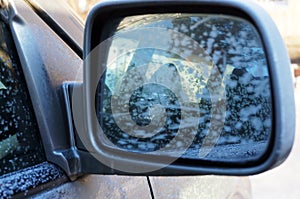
(101, 24)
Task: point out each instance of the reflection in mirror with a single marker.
(186, 85)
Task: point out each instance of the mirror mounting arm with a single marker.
(72, 163)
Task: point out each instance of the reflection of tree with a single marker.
(224, 39)
(230, 41)
(249, 111)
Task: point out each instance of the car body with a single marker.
(49, 42)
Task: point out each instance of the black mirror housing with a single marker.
(102, 24)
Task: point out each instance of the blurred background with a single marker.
(284, 181)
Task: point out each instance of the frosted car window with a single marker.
(20, 144)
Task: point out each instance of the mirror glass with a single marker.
(191, 86)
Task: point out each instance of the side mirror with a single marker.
(183, 88)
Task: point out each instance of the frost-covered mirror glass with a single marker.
(193, 86)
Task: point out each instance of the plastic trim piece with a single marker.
(48, 101)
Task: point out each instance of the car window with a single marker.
(20, 143)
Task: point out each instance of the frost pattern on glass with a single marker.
(20, 144)
(237, 65)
